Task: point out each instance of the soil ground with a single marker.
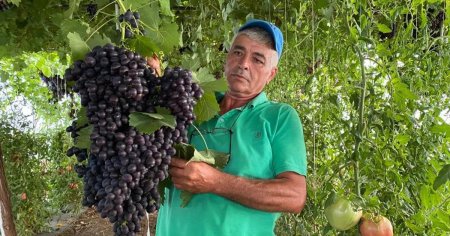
(89, 223)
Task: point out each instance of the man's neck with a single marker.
(230, 102)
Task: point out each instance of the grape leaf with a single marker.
(204, 156)
(170, 36)
(185, 198)
(190, 62)
(166, 183)
(184, 151)
(220, 158)
(207, 107)
(143, 45)
(219, 85)
(203, 75)
(163, 111)
(73, 6)
(82, 117)
(78, 46)
(97, 40)
(443, 177)
(134, 4)
(83, 140)
(15, 2)
(166, 35)
(74, 26)
(150, 122)
(165, 7)
(188, 152)
(150, 17)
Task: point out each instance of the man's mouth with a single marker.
(240, 76)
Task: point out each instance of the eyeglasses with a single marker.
(212, 136)
(215, 136)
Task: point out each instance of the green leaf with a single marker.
(166, 183)
(74, 26)
(441, 129)
(144, 45)
(83, 140)
(73, 6)
(184, 151)
(150, 122)
(78, 46)
(185, 198)
(204, 156)
(383, 28)
(134, 4)
(219, 85)
(163, 111)
(203, 75)
(214, 158)
(443, 177)
(165, 7)
(15, 2)
(166, 36)
(190, 62)
(207, 107)
(4, 76)
(402, 91)
(331, 199)
(82, 118)
(319, 4)
(150, 17)
(98, 40)
(425, 199)
(220, 158)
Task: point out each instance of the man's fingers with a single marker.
(177, 162)
(175, 172)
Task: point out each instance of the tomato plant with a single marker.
(378, 226)
(340, 214)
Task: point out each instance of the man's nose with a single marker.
(245, 62)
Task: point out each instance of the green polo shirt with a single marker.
(264, 139)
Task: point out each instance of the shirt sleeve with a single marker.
(288, 143)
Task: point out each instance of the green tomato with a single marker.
(340, 214)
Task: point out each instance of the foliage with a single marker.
(368, 78)
(37, 168)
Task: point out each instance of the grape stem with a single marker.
(204, 141)
(121, 5)
(95, 31)
(101, 9)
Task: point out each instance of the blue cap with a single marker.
(274, 31)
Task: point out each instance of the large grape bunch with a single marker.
(124, 166)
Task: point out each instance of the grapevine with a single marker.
(122, 166)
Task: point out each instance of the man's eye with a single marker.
(259, 61)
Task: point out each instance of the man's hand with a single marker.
(194, 177)
(284, 193)
(154, 63)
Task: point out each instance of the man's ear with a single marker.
(273, 72)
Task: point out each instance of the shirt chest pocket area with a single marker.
(257, 137)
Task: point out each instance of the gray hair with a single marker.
(261, 36)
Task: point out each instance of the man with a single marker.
(266, 171)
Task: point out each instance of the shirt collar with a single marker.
(259, 99)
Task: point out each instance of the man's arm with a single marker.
(285, 193)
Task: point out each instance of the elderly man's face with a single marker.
(249, 67)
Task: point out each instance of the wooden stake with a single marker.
(8, 228)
